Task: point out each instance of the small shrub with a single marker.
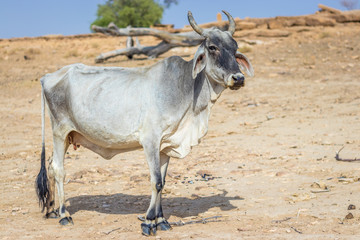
(244, 49)
(324, 35)
(32, 51)
(94, 45)
(72, 53)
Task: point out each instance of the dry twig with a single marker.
(296, 230)
(320, 191)
(203, 221)
(74, 181)
(338, 158)
(182, 223)
(282, 220)
(113, 230)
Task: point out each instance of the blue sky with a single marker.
(21, 18)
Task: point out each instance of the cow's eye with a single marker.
(212, 48)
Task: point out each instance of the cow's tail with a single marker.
(41, 183)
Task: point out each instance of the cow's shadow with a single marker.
(137, 204)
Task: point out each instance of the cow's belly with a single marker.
(108, 137)
(100, 147)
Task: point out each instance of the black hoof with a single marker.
(66, 220)
(52, 214)
(148, 229)
(163, 226)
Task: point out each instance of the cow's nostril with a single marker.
(238, 79)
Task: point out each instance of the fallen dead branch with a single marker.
(338, 158)
(169, 41)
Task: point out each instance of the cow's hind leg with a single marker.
(57, 166)
(162, 223)
(50, 201)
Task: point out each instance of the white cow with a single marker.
(163, 109)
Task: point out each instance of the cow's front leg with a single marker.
(149, 226)
(153, 159)
(162, 223)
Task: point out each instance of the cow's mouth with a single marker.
(234, 88)
(237, 86)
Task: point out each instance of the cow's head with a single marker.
(219, 57)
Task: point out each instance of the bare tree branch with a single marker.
(182, 39)
(169, 41)
(151, 51)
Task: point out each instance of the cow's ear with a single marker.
(244, 64)
(199, 61)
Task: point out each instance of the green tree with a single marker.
(137, 13)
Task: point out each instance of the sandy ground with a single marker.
(270, 147)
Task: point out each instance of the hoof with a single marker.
(52, 214)
(66, 220)
(163, 226)
(148, 229)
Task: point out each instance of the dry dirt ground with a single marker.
(269, 151)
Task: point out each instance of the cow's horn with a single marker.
(193, 24)
(231, 29)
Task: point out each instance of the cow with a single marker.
(163, 109)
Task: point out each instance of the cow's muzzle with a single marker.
(237, 80)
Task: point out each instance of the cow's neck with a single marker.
(206, 92)
(215, 90)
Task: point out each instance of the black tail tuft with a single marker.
(41, 183)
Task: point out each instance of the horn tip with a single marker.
(190, 16)
(226, 13)
(231, 22)
(193, 24)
